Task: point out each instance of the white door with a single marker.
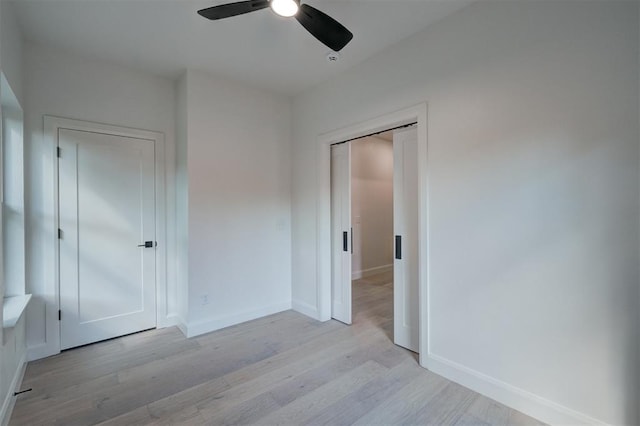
(341, 232)
(106, 210)
(405, 228)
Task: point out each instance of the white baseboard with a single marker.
(10, 399)
(305, 309)
(177, 321)
(356, 275)
(42, 350)
(526, 402)
(208, 325)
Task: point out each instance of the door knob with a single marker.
(147, 244)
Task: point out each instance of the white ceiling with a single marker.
(166, 37)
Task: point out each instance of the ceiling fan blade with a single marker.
(233, 9)
(323, 27)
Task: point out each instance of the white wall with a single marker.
(12, 341)
(11, 45)
(13, 237)
(533, 197)
(371, 206)
(69, 86)
(228, 153)
(239, 202)
(182, 204)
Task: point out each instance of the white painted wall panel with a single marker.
(12, 50)
(238, 156)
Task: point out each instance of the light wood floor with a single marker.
(283, 369)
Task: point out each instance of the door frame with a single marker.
(52, 125)
(415, 114)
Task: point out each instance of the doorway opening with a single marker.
(329, 238)
(372, 228)
(109, 230)
(374, 233)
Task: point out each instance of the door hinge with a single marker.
(59, 152)
(59, 315)
(59, 233)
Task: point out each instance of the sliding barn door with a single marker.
(107, 236)
(341, 235)
(405, 228)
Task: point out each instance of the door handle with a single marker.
(147, 244)
(345, 243)
(398, 247)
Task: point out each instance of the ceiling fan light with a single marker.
(286, 8)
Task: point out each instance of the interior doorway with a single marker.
(374, 220)
(110, 232)
(373, 237)
(394, 119)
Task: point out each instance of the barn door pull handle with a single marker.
(398, 247)
(345, 243)
(147, 244)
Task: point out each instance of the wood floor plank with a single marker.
(123, 348)
(253, 326)
(326, 372)
(489, 411)
(248, 386)
(399, 408)
(322, 348)
(281, 379)
(89, 365)
(244, 413)
(470, 420)
(445, 408)
(36, 410)
(353, 406)
(284, 369)
(516, 418)
(312, 404)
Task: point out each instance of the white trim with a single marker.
(323, 231)
(12, 309)
(356, 275)
(305, 309)
(175, 320)
(10, 399)
(51, 296)
(529, 403)
(212, 324)
(417, 113)
(38, 351)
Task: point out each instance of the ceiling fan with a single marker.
(323, 27)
